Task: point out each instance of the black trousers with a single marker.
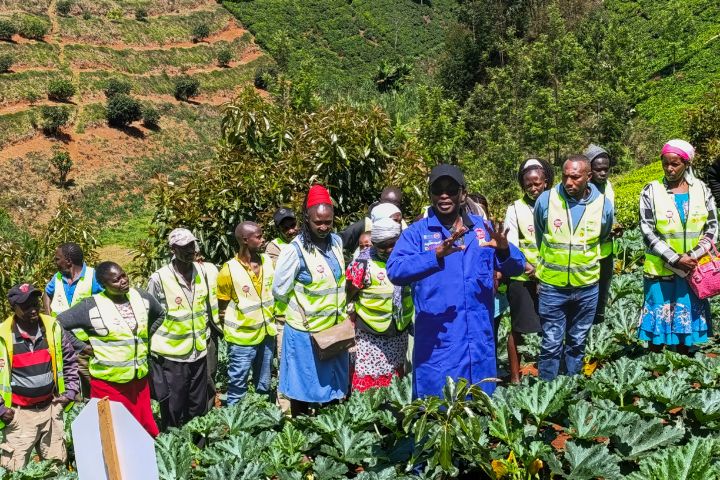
(212, 364)
(188, 391)
(607, 266)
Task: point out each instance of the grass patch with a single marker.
(29, 6)
(92, 114)
(16, 126)
(130, 232)
(16, 87)
(153, 7)
(155, 31)
(36, 54)
(129, 61)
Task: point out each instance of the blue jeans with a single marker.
(242, 359)
(565, 314)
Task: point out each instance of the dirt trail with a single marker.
(231, 32)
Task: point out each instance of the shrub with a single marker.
(115, 86)
(627, 192)
(200, 32)
(141, 15)
(32, 96)
(7, 29)
(115, 14)
(150, 116)
(52, 118)
(63, 163)
(264, 74)
(87, 15)
(122, 110)
(186, 88)
(33, 28)
(60, 89)
(63, 7)
(390, 76)
(224, 57)
(6, 62)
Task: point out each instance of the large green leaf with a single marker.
(637, 439)
(601, 344)
(173, 457)
(588, 421)
(693, 461)
(704, 405)
(616, 380)
(590, 462)
(325, 468)
(542, 399)
(670, 389)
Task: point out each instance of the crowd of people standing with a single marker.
(422, 298)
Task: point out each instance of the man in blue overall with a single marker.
(449, 258)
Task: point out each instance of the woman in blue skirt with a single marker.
(679, 225)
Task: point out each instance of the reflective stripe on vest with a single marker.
(83, 290)
(571, 258)
(321, 304)
(120, 355)
(53, 334)
(526, 234)
(185, 326)
(248, 321)
(681, 238)
(374, 304)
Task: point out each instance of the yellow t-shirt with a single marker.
(225, 288)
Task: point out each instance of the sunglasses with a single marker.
(452, 189)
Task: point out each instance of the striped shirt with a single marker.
(656, 245)
(32, 379)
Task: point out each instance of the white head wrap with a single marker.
(384, 229)
(383, 210)
(532, 162)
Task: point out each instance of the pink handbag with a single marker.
(705, 279)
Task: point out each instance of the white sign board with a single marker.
(135, 447)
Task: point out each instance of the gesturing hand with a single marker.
(448, 245)
(498, 237)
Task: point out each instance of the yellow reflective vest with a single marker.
(83, 290)
(607, 247)
(571, 258)
(681, 237)
(251, 319)
(53, 335)
(185, 327)
(121, 354)
(321, 304)
(526, 234)
(374, 304)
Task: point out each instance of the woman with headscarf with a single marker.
(679, 225)
(310, 279)
(535, 176)
(383, 311)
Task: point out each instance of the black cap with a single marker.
(446, 170)
(281, 214)
(21, 292)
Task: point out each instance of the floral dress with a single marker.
(378, 358)
(672, 314)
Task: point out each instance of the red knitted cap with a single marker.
(318, 195)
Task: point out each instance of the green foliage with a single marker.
(264, 75)
(33, 28)
(627, 192)
(63, 7)
(186, 88)
(6, 62)
(53, 118)
(62, 163)
(115, 86)
(224, 57)
(390, 76)
(704, 130)
(60, 89)
(200, 32)
(150, 116)
(352, 151)
(7, 29)
(122, 110)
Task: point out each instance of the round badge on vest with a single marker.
(178, 300)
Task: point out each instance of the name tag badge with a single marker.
(431, 241)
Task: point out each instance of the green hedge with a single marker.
(627, 192)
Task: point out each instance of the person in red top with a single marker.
(38, 379)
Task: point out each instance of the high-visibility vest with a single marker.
(185, 327)
(53, 335)
(83, 290)
(321, 304)
(607, 247)
(680, 237)
(248, 321)
(279, 243)
(280, 307)
(571, 258)
(209, 272)
(121, 355)
(526, 235)
(374, 304)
